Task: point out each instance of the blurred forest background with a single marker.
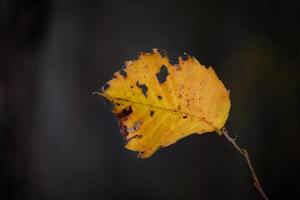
(57, 141)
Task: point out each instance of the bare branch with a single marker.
(245, 154)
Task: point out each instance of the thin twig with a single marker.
(245, 154)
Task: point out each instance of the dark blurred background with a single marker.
(57, 141)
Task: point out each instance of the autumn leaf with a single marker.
(157, 103)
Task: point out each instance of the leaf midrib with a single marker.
(158, 107)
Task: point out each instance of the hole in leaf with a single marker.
(123, 73)
(162, 74)
(143, 87)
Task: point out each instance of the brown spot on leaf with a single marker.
(184, 117)
(122, 116)
(159, 97)
(123, 130)
(125, 112)
(151, 113)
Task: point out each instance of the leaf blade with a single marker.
(189, 98)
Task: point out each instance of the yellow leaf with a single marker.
(157, 103)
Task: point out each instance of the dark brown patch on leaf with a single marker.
(143, 87)
(159, 97)
(184, 117)
(125, 112)
(151, 113)
(122, 116)
(162, 74)
(123, 130)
